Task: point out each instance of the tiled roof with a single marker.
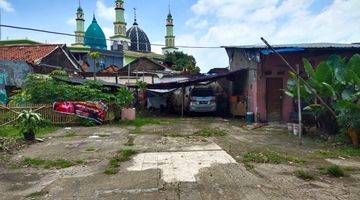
(110, 69)
(28, 53)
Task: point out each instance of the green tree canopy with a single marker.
(180, 61)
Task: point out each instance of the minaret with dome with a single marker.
(169, 38)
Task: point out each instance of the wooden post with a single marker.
(183, 101)
(299, 104)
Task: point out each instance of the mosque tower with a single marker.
(79, 33)
(169, 38)
(120, 25)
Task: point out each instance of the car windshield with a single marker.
(202, 93)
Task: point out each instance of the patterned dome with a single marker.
(95, 37)
(139, 40)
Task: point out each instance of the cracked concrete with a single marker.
(183, 167)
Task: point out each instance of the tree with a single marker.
(95, 55)
(180, 61)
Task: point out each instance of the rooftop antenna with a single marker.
(169, 6)
(79, 3)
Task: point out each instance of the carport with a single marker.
(195, 80)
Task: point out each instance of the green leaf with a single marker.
(330, 89)
(308, 68)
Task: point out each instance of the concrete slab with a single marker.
(181, 166)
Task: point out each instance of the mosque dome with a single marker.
(94, 36)
(139, 40)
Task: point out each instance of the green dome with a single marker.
(95, 37)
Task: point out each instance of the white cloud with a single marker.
(4, 4)
(196, 23)
(71, 22)
(235, 22)
(104, 12)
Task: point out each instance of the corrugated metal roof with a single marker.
(302, 45)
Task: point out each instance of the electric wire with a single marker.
(111, 40)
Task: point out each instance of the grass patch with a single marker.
(338, 152)
(80, 162)
(271, 157)
(249, 166)
(13, 131)
(37, 194)
(334, 171)
(210, 133)
(141, 121)
(47, 164)
(305, 175)
(121, 156)
(90, 149)
(70, 134)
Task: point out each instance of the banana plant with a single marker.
(337, 81)
(29, 122)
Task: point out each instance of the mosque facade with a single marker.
(133, 42)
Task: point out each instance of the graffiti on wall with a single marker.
(3, 95)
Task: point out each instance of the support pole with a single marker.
(299, 104)
(128, 75)
(183, 101)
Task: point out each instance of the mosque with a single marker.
(133, 42)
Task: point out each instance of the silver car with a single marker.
(202, 100)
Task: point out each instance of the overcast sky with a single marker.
(197, 22)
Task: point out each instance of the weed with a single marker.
(270, 157)
(70, 134)
(47, 164)
(103, 135)
(249, 166)
(338, 152)
(37, 194)
(121, 156)
(335, 171)
(305, 175)
(210, 133)
(90, 149)
(80, 162)
(130, 141)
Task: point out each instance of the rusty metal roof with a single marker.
(301, 45)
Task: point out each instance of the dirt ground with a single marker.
(174, 161)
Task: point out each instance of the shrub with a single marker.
(305, 175)
(29, 123)
(335, 171)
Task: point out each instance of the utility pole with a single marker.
(299, 104)
(0, 26)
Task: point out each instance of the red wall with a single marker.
(274, 64)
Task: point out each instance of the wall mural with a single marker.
(3, 95)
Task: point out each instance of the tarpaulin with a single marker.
(95, 111)
(282, 50)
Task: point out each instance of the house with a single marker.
(17, 60)
(267, 75)
(141, 69)
(43, 58)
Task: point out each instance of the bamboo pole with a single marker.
(299, 105)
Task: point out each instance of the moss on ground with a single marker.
(210, 132)
(47, 164)
(121, 156)
(337, 152)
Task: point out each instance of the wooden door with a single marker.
(274, 95)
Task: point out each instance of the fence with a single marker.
(8, 115)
